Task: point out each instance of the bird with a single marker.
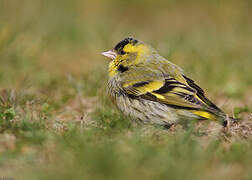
(149, 88)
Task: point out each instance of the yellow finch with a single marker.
(148, 87)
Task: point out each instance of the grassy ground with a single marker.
(56, 121)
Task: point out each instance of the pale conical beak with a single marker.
(109, 54)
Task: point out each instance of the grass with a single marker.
(56, 120)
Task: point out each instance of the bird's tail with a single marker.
(215, 116)
(225, 119)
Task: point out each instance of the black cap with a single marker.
(124, 42)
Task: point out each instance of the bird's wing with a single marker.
(201, 94)
(178, 74)
(163, 89)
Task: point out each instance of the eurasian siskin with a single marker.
(148, 87)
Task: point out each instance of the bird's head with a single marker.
(126, 53)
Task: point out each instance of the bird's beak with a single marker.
(109, 54)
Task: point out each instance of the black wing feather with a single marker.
(201, 94)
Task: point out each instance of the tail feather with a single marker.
(215, 116)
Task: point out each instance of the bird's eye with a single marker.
(122, 52)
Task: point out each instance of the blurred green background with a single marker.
(55, 116)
